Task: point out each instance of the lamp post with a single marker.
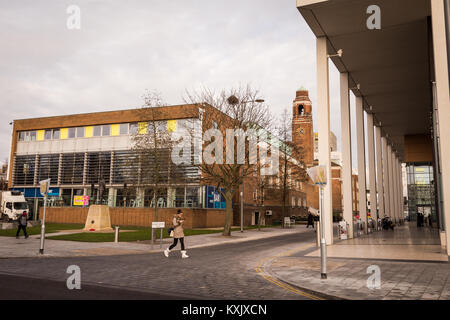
(323, 246)
(233, 100)
(45, 187)
(318, 175)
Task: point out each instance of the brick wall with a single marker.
(195, 218)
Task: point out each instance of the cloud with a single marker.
(126, 47)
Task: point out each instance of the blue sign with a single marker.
(36, 192)
(214, 198)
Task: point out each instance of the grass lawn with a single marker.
(139, 234)
(49, 228)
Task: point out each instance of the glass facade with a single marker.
(421, 192)
(130, 175)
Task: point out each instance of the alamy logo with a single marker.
(374, 281)
(74, 18)
(374, 21)
(233, 153)
(74, 280)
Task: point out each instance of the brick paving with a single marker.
(216, 272)
(347, 277)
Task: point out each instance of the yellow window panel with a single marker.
(142, 127)
(40, 135)
(64, 133)
(115, 129)
(172, 125)
(89, 132)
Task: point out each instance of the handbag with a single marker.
(170, 232)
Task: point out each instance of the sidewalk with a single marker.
(411, 262)
(11, 247)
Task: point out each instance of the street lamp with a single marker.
(233, 100)
(318, 175)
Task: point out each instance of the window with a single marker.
(20, 205)
(9, 205)
(32, 135)
(56, 134)
(124, 128)
(192, 199)
(71, 134)
(106, 130)
(80, 132)
(133, 128)
(97, 131)
(48, 135)
(22, 136)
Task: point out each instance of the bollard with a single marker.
(116, 235)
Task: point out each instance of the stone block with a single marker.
(98, 219)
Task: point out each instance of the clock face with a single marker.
(301, 131)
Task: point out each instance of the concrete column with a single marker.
(389, 181)
(323, 111)
(400, 188)
(395, 178)
(112, 193)
(443, 105)
(371, 163)
(346, 154)
(360, 139)
(392, 184)
(397, 175)
(379, 163)
(140, 197)
(387, 204)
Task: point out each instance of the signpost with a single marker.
(161, 226)
(318, 175)
(45, 188)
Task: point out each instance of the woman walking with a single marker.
(178, 234)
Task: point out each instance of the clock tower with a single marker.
(302, 126)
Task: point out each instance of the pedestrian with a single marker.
(178, 234)
(310, 220)
(22, 225)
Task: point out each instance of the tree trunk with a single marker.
(228, 213)
(155, 215)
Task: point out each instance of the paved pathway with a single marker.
(226, 271)
(11, 247)
(348, 276)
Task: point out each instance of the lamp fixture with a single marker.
(338, 54)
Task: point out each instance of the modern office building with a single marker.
(394, 57)
(83, 153)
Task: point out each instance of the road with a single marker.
(217, 272)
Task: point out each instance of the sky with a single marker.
(124, 48)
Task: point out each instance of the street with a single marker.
(217, 272)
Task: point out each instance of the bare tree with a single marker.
(231, 115)
(292, 167)
(152, 145)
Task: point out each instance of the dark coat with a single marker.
(23, 220)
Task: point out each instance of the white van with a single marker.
(13, 205)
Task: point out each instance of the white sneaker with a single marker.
(183, 254)
(166, 253)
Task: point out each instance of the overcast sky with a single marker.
(126, 47)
